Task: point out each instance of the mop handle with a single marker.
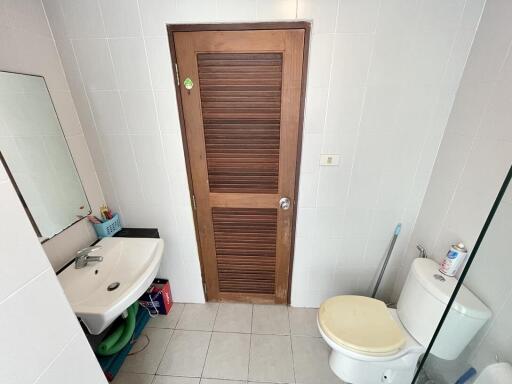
(390, 249)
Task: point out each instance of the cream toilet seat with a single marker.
(361, 324)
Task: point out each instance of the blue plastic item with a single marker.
(109, 227)
(466, 376)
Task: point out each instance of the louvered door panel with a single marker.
(241, 124)
(245, 245)
(241, 108)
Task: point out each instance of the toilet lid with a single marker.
(360, 323)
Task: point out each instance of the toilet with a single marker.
(374, 344)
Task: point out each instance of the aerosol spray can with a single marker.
(453, 259)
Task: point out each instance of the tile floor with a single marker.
(230, 344)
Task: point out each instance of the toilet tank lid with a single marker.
(441, 287)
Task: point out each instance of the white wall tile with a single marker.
(139, 107)
(358, 15)
(150, 161)
(160, 63)
(311, 146)
(108, 111)
(398, 16)
(83, 19)
(20, 254)
(130, 64)
(441, 15)
(344, 109)
(155, 14)
(360, 104)
(66, 112)
(320, 59)
(474, 156)
(276, 9)
(76, 357)
(123, 168)
(95, 64)
(236, 10)
(352, 54)
(167, 109)
(29, 15)
(472, 14)
(321, 12)
(496, 120)
(121, 18)
(194, 11)
(28, 48)
(47, 336)
(491, 43)
(85, 167)
(316, 105)
(308, 187)
(390, 59)
(333, 186)
(469, 107)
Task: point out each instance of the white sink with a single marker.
(131, 262)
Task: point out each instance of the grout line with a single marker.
(61, 66)
(210, 341)
(123, 107)
(57, 356)
(28, 282)
(291, 343)
(96, 131)
(165, 350)
(250, 343)
(174, 219)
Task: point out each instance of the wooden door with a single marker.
(241, 98)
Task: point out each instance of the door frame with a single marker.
(306, 26)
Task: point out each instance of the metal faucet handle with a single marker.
(87, 250)
(423, 251)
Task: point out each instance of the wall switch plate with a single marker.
(329, 159)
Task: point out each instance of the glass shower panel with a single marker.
(488, 274)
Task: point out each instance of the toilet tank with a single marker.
(422, 302)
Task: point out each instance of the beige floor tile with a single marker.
(147, 361)
(270, 320)
(311, 361)
(303, 321)
(271, 359)
(198, 317)
(185, 354)
(132, 378)
(170, 320)
(175, 380)
(228, 356)
(219, 381)
(233, 318)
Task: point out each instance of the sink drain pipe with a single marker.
(121, 336)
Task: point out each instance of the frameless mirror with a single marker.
(36, 155)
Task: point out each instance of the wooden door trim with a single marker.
(306, 26)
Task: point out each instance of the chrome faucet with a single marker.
(422, 250)
(82, 256)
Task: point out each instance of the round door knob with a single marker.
(284, 203)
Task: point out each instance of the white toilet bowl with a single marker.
(373, 344)
(361, 364)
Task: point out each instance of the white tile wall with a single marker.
(37, 324)
(381, 82)
(27, 46)
(474, 157)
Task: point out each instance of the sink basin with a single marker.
(101, 291)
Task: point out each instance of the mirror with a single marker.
(36, 155)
